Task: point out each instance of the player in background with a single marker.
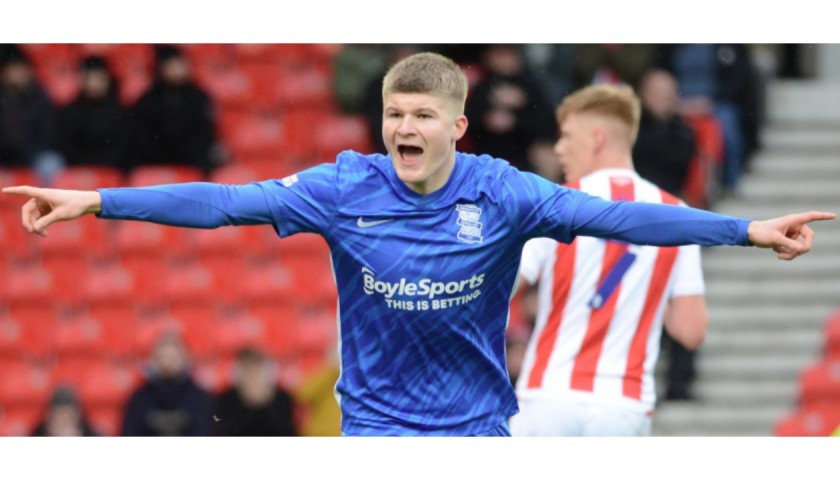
(425, 244)
(588, 367)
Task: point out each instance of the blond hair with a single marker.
(610, 101)
(427, 73)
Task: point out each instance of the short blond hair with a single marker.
(612, 101)
(427, 73)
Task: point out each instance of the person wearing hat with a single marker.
(64, 417)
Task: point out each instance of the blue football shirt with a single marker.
(424, 281)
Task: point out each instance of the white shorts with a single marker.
(553, 417)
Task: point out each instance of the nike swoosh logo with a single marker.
(363, 224)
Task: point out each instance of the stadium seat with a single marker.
(147, 273)
(311, 87)
(88, 178)
(213, 279)
(228, 86)
(244, 242)
(150, 326)
(60, 81)
(146, 175)
(106, 420)
(19, 421)
(252, 134)
(280, 324)
(66, 273)
(16, 176)
(108, 283)
(819, 384)
(832, 335)
(87, 236)
(337, 133)
(97, 382)
(235, 174)
(33, 283)
(52, 53)
(201, 54)
(239, 329)
(809, 422)
(24, 383)
(27, 331)
(312, 280)
(150, 239)
(303, 245)
(318, 331)
(268, 282)
(16, 242)
(199, 327)
(101, 333)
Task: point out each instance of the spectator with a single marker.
(255, 405)
(170, 403)
(509, 108)
(64, 417)
(718, 80)
(317, 395)
(27, 117)
(93, 129)
(612, 64)
(175, 121)
(666, 144)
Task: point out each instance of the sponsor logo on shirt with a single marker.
(425, 294)
(290, 180)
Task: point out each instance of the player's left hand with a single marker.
(788, 236)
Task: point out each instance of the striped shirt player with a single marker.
(588, 368)
(424, 282)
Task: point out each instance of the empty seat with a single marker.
(310, 87)
(819, 384)
(147, 276)
(97, 382)
(15, 241)
(240, 329)
(150, 239)
(106, 420)
(147, 175)
(199, 328)
(213, 279)
(24, 383)
(312, 281)
(86, 236)
(149, 328)
(19, 421)
(12, 177)
(337, 133)
(248, 133)
(109, 283)
(832, 336)
(27, 330)
(103, 332)
(280, 324)
(241, 241)
(235, 174)
(214, 375)
(88, 178)
(300, 245)
(268, 282)
(809, 422)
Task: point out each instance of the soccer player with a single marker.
(425, 244)
(588, 367)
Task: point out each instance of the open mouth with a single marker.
(409, 151)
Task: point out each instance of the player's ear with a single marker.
(461, 124)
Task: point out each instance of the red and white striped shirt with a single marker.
(603, 349)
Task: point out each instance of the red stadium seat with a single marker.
(231, 241)
(24, 383)
(280, 324)
(809, 422)
(108, 283)
(19, 421)
(252, 134)
(819, 384)
(235, 174)
(318, 331)
(12, 177)
(16, 242)
(147, 274)
(337, 133)
(87, 236)
(88, 178)
(96, 381)
(149, 328)
(240, 329)
(61, 81)
(304, 88)
(225, 83)
(52, 53)
(150, 239)
(832, 336)
(268, 282)
(213, 279)
(147, 175)
(210, 54)
(312, 281)
(55, 280)
(199, 326)
(214, 375)
(300, 245)
(97, 334)
(27, 330)
(106, 420)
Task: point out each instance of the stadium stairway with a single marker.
(767, 316)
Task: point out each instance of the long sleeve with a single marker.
(655, 224)
(197, 205)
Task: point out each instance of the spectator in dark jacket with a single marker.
(256, 405)
(175, 122)
(170, 403)
(93, 130)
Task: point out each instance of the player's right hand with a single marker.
(48, 205)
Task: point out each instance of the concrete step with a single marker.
(724, 316)
(783, 192)
(698, 419)
(736, 266)
(738, 393)
(780, 366)
(805, 139)
(765, 342)
(772, 291)
(803, 102)
(799, 167)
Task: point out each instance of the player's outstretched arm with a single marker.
(48, 205)
(789, 236)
